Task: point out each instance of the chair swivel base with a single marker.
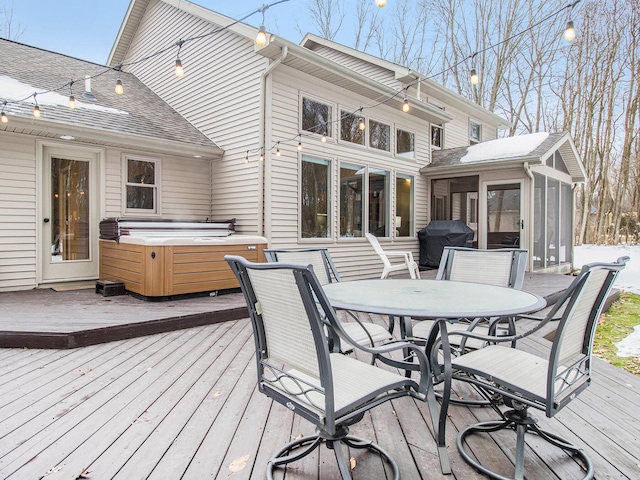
(303, 446)
(521, 422)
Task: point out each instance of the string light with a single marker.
(262, 154)
(72, 99)
(324, 137)
(179, 69)
(569, 32)
(3, 116)
(473, 77)
(381, 3)
(300, 143)
(261, 38)
(36, 109)
(119, 88)
(405, 105)
(361, 124)
(246, 158)
(278, 149)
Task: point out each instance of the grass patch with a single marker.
(615, 325)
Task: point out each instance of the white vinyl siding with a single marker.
(17, 212)
(219, 94)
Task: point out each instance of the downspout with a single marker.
(263, 123)
(529, 173)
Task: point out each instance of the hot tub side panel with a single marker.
(166, 270)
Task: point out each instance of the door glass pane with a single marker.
(539, 202)
(69, 210)
(379, 202)
(553, 220)
(404, 206)
(351, 200)
(503, 221)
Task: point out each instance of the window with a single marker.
(379, 136)
(379, 202)
(436, 136)
(404, 206)
(349, 130)
(474, 133)
(315, 198)
(141, 185)
(351, 200)
(405, 143)
(316, 117)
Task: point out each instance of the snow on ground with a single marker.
(628, 280)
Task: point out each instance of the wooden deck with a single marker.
(184, 405)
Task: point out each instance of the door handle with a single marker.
(46, 220)
(522, 224)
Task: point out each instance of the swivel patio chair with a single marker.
(520, 380)
(292, 319)
(408, 263)
(503, 267)
(326, 272)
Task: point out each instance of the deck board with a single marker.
(184, 404)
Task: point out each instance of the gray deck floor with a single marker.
(184, 404)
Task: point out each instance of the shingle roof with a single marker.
(146, 113)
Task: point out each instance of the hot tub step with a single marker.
(109, 289)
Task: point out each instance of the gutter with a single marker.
(264, 183)
(529, 173)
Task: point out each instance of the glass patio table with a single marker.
(406, 298)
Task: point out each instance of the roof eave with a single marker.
(476, 167)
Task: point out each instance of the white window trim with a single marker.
(471, 140)
(441, 127)
(331, 121)
(330, 162)
(158, 187)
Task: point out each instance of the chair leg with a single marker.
(308, 444)
(521, 422)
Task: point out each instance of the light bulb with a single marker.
(299, 146)
(261, 38)
(246, 159)
(278, 149)
(405, 105)
(262, 156)
(179, 69)
(119, 88)
(36, 111)
(4, 118)
(361, 124)
(381, 3)
(324, 137)
(72, 102)
(474, 77)
(570, 32)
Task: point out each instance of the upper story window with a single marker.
(405, 143)
(142, 177)
(475, 132)
(350, 130)
(316, 117)
(437, 133)
(379, 135)
(315, 195)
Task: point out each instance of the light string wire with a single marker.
(119, 66)
(387, 97)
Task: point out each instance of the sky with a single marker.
(87, 29)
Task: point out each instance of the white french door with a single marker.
(69, 214)
(503, 204)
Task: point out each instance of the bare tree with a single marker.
(327, 16)
(8, 28)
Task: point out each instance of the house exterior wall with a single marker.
(219, 95)
(353, 256)
(185, 193)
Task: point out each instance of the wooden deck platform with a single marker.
(184, 405)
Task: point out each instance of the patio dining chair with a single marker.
(408, 263)
(357, 331)
(290, 314)
(504, 267)
(520, 380)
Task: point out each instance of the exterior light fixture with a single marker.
(299, 143)
(405, 105)
(36, 109)
(361, 124)
(72, 102)
(381, 3)
(4, 118)
(569, 32)
(324, 137)
(262, 154)
(179, 69)
(278, 149)
(474, 76)
(261, 38)
(119, 88)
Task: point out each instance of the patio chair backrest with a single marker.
(570, 358)
(323, 266)
(503, 267)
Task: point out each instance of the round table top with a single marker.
(431, 298)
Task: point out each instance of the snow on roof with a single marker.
(510, 147)
(10, 88)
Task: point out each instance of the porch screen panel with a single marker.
(566, 224)
(539, 226)
(553, 221)
(351, 200)
(379, 203)
(315, 198)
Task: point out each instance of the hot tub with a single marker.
(168, 258)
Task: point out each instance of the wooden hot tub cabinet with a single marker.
(160, 267)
